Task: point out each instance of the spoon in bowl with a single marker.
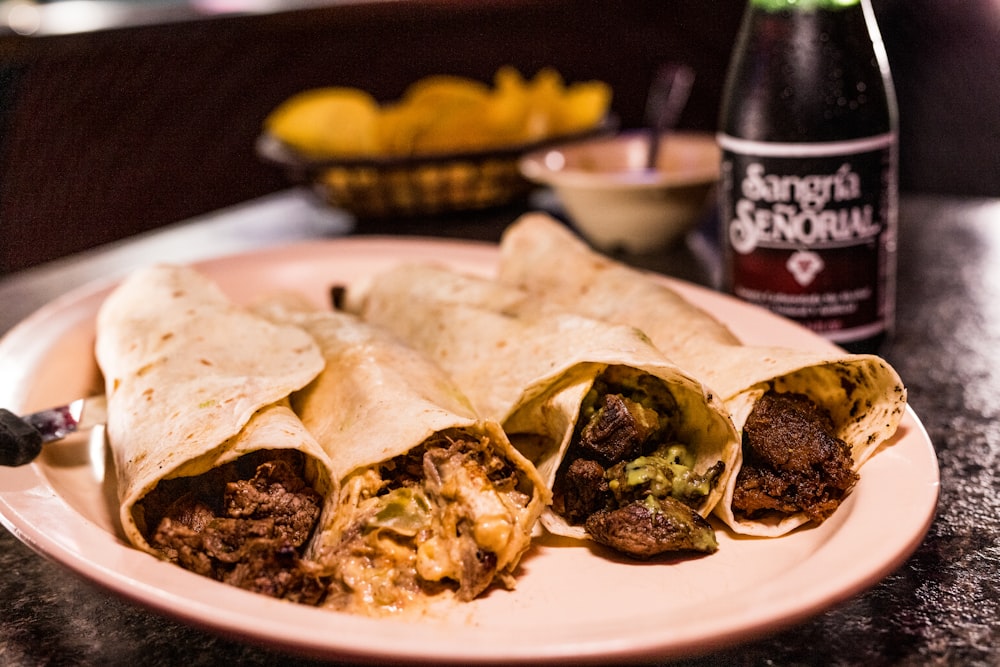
(668, 95)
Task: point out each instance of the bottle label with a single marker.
(809, 231)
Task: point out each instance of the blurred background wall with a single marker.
(116, 131)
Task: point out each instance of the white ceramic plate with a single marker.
(571, 604)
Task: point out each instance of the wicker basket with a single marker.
(413, 186)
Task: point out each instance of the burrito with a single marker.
(435, 503)
(214, 470)
(635, 451)
(808, 420)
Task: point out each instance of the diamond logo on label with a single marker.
(804, 265)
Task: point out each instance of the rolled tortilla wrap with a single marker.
(198, 421)
(435, 501)
(862, 394)
(543, 378)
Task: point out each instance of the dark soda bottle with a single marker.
(808, 190)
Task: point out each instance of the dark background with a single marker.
(110, 133)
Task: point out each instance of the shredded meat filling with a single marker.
(792, 460)
(244, 523)
(429, 520)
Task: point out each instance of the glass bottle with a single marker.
(808, 190)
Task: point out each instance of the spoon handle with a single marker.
(668, 95)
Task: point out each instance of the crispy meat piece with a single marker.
(643, 531)
(617, 430)
(792, 461)
(581, 491)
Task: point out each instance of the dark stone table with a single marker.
(941, 607)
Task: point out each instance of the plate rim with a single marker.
(201, 612)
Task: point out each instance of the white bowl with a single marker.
(616, 202)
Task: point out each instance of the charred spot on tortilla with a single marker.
(626, 478)
(427, 521)
(338, 296)
(244, 523)
(792, 460)
(848, 385)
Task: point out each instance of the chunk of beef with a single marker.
(617, 430)
(581, 491)
(792, 460)
(642, 530)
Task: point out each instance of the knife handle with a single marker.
(20, 442)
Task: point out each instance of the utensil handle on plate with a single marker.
(20, 442)
(21, 438)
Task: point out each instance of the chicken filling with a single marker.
(449, 515)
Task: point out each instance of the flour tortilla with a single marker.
(194, 382)
(532, 370)
(378, 399)
(863, 393)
